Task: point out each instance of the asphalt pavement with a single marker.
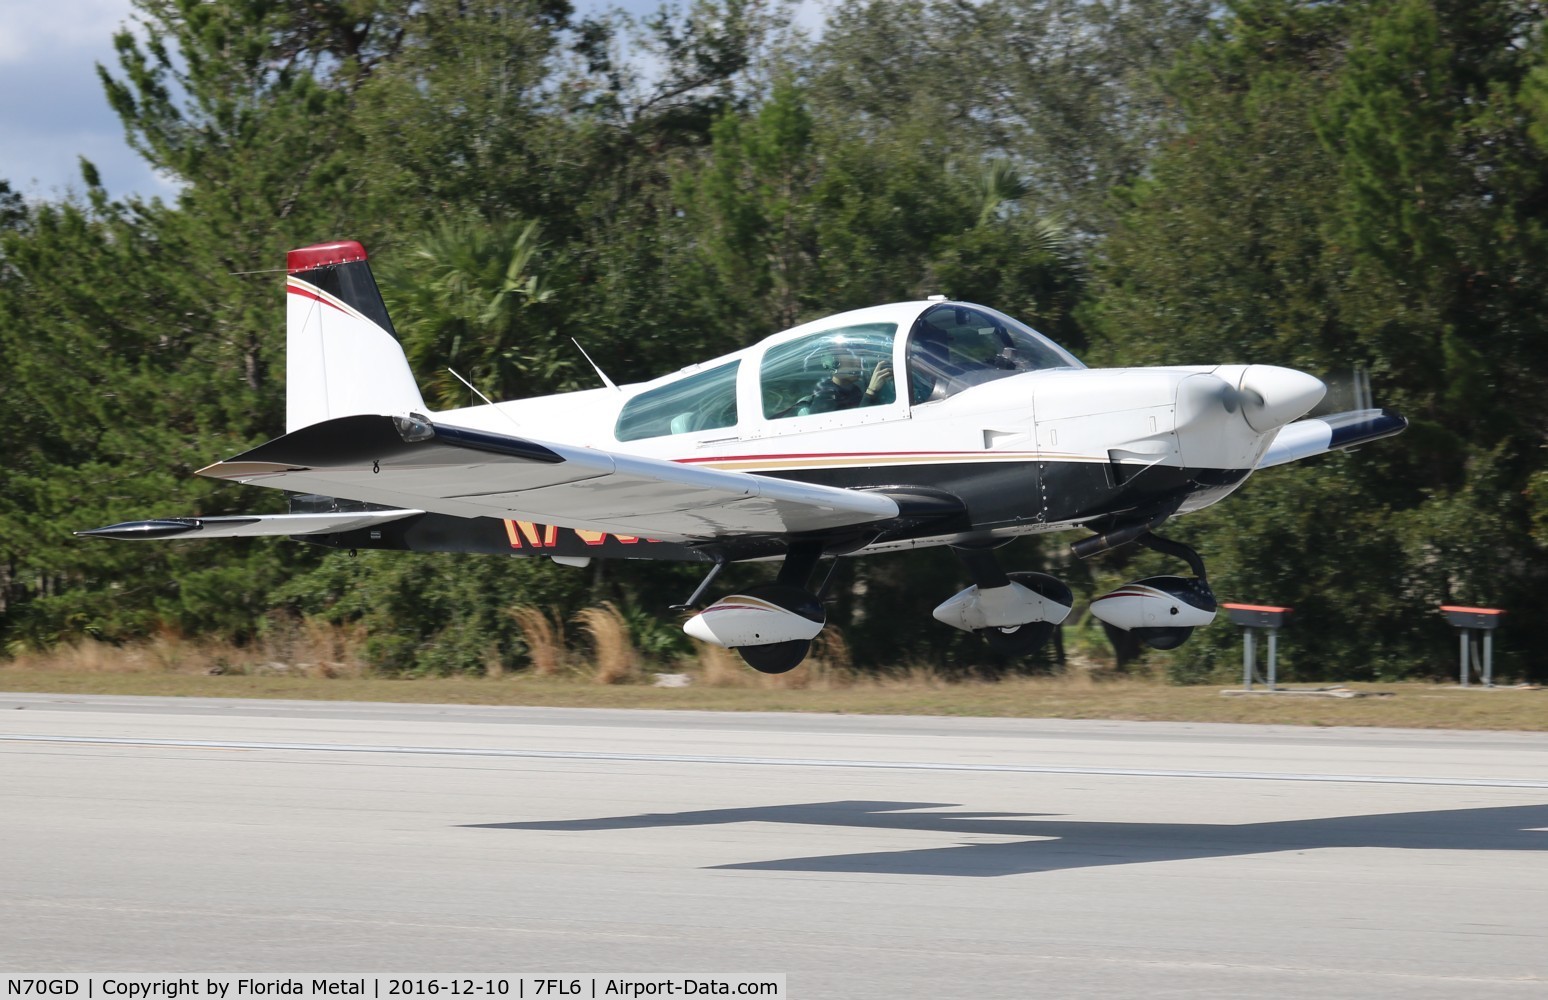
(861, 856)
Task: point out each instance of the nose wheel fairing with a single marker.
(1022, 599)
(1027, 638)
(1015, 613)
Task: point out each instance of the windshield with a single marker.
(952, 347)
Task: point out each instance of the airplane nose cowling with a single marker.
(1272, 396)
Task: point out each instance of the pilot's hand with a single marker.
(880, 376)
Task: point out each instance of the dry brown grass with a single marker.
(290, 644)
(320, 649)
(617, 661)
(305, 649)
(914, 677)
(920, 691)
(719, 667)
(160, 655)
(544, 634)
(320, 661)
(828, 667)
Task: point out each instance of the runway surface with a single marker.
(862, 856)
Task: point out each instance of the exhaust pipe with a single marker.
(1108, 540)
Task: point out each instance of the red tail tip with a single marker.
(323, 254)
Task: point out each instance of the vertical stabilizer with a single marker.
(342, 356)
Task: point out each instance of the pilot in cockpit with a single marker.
(841, 390)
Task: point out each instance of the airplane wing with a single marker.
(1333, 432)
(247, 525)
(415, 464)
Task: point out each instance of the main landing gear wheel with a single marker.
(776, 657)
(782, 657)
(1162, 638)
(1026, 639)
(1018, 640)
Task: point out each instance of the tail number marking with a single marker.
(546, 536)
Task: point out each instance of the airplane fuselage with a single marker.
(1029, 452)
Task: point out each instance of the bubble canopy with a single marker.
(852, 361)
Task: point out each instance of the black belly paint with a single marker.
(993, 495)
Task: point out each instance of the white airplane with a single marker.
(894, 427)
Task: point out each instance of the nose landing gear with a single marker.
(1028, 638)
(1015, 613)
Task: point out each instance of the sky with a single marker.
(53, 111)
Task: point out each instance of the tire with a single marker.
(776, 657)
(782, 657)
(1162, 638)
(1019, 640)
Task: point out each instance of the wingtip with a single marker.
(165, 527)
(1363, 426)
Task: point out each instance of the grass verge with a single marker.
(1411, 705)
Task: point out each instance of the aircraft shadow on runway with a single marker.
(1056, 844)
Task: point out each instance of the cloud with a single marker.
(31, 32)
(52, 109)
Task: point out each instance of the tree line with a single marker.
(1333, 186)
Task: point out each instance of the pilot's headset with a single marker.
(826, 358)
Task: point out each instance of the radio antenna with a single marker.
(485, 398)
(471, 386)
(595, 367)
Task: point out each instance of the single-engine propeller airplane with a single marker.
(894, 427)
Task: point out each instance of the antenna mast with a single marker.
(595, 367)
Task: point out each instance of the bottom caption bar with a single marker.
(482, 985)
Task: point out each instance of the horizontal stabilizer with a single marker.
(1333, 432)
(463, 472)
(246, 526)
